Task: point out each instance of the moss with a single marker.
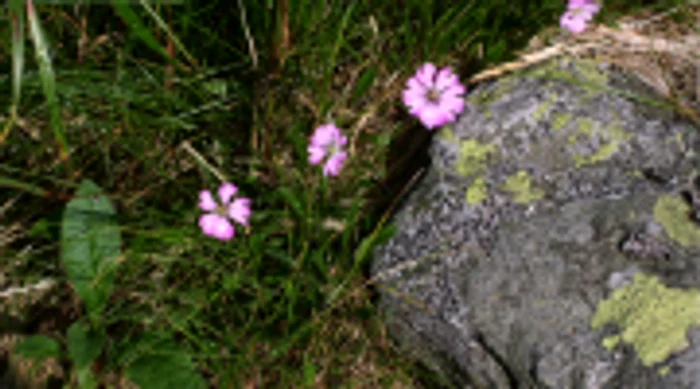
(477, 192)
(520, 185)
(672, 213)
(604, 152)
(651, 317)
(559, 120)
(472, 157)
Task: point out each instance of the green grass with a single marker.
(287, 302)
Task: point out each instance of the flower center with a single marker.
(433, 95)
(221, 211)
(332, 148)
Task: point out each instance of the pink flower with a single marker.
(217, 222)
(578, 14)
(435, 98)
(327, 144)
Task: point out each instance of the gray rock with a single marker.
(554, 242)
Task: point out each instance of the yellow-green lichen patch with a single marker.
(559, 120)
(543, 108)
(586, 75)
(652, 318)
(486, 98)
(664, 370)
(672, 213)
(477, 192)
(615, 133)
(520, 185)
(585, 125)
(611, 342)
(447, 134)
(604, 152)
(472, 157)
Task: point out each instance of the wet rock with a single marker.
(554, 241)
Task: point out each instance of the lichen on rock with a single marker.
(554, 181)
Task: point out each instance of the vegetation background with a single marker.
(155, 102)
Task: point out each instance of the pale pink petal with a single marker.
(316, 154)
(226, 191)
(414, 85)
(323, 135)
(206, 201)
(216, 226)
(341, 140)
(432, 116)
(454, 90)
(334, 164)
(239, 210)
(452, 104)
(426, 74)
(414, 99)
(445, 79)
(574, 24)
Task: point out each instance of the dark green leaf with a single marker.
(165, 366)
(38, 346)
(90, 245)
(84, 345)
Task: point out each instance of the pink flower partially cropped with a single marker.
(578, 14)
(434, 97)
(326, 146)
(217, 222)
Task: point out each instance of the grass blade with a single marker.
(48, 79)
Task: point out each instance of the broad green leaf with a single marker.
(38, 346)
(90, 245)
(165, 366)
(84, 344)
(86, 378)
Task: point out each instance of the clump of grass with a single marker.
(286, 303)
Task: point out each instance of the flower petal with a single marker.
(216, 226)
(446, 79)
(415, 100)
(239, 210)
(432, 116)
(316, 154)
(226, 191)
(426, 74)
(206, 201)
(334, 164)
(323, 135)
(452, 104)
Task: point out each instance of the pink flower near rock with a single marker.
(327, 145)
(218, 221)
(578, 14)
(434, 97)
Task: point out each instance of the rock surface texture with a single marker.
(555, 240)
